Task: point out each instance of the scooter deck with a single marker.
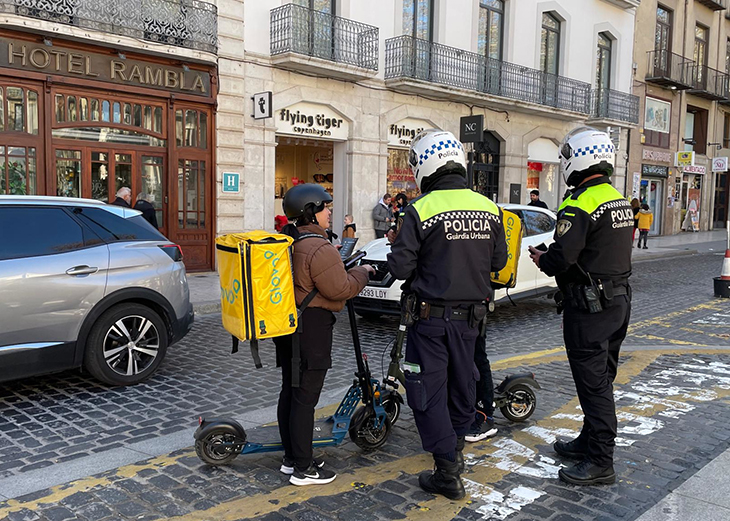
(266, 438)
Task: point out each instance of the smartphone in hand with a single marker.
(541, 247)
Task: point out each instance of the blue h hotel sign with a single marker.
(231, 182)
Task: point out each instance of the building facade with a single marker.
(352, 85)
(682, 72)
(157, 95)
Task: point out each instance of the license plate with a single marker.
(373, 293)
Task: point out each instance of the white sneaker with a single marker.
(287, 465)
(312, 476)
(482, 431)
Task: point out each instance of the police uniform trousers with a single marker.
(442, 395)
(295, 411)
(592, 342)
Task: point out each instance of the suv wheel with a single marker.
(126, 345)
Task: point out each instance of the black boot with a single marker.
(444, 480)
(588, 473)
(574, 449)
(460, 453)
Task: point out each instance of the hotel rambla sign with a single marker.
(53, 59)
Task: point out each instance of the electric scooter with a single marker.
(220, 441)
(514, 396)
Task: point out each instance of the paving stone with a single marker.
(94, 511)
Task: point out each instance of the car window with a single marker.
(32, 231)
(536, 223)
(112, 227)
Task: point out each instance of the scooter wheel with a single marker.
(392, 407)
(364, 432)
(521, 403)
(217, 448)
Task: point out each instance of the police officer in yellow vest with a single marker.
(449, 241)
(591, 261)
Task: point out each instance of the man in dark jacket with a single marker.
(148, 210)
(535, 200)
(449, 241)
(124, 197)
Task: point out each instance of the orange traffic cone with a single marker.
(725, 274)
(722, 283)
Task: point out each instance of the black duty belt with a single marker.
(456, 313)
(620, 290)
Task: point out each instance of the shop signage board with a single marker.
(682, 159)
(262, 105)
(656, 155)
(311, 120)
(700, 170)
(401, 134)
(471, 129)
(654, 171)
(636, 187)
(110, 68)
(231, 182)
(719, 164)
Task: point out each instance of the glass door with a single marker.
(651, 194)
(152, 187)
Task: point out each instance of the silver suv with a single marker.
(83, 283)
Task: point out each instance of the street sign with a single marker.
(515, 193)
(684, 159)
(719, 164)
(262, 108)
(231, 182)
(471, 129)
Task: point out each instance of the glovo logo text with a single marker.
(275, 295)
(230, 295)
(508, 231)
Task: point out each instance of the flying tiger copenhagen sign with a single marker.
(29, 56)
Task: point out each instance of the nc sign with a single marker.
(230, 182)
(471, 129)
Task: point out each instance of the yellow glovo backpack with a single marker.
(257, 289)
(507, 276)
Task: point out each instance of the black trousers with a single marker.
(593, 342)
(295, 411)
(485, 385)
(643, 234)
(442, 395)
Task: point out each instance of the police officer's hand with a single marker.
(535, 255)
(391, 235)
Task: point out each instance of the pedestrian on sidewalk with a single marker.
(350, 228)
(321, 279)
(535, 200)
(144, 205)
(635, 207)
(383, 216)
(591, 262)
(440, 378)
(644, 220)
(124, 197)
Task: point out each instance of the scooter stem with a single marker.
(396, 354)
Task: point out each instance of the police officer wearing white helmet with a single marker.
(591, 261)
(449, 241)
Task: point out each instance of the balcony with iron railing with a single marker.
(184, 23)
(614, 107)
(308, 40)
(715, 5)
(668, 69)
(625, 4)
(413, 65)
(707, 82)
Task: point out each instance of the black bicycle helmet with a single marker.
(299, 197)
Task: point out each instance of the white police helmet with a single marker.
(586, 151)
(432, 150)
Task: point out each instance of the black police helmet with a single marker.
(299, 197)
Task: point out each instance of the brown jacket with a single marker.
(349, 232)
(317, 263)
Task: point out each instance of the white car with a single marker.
(382, 294)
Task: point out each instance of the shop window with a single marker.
(95, 113)
(83, 109)
(18, 110)
(127, 114)
(105, 111)
(68, 173)
(100, 176)
(137, 115)
(109, 135)
(400, 176)
(191, 194)
(157, 122)
(147, 117)
(117, 112)
(60, 108)
(72, 108)
(152, 184)
(122, 171)
(18, 170)
(191, 129)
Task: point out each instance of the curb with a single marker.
(207, 307)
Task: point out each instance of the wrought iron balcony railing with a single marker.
(305, 31)
(707, 82)
(615, 105)
(668, 69)
(408, 57)
(184, 23)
